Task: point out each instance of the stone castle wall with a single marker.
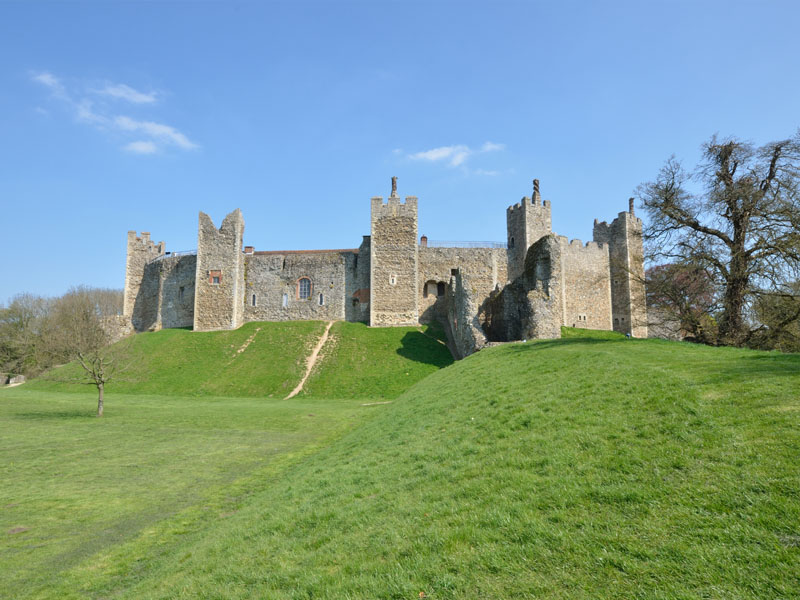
(219, 277)
(531, 306)
(272, 285)
(541, 282)
(394, 262)
(586, 291)
(626, 271)
(462, 306)
(140, 251)
(485, 268)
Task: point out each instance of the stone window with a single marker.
(215, 277)
(285, 300)
(304, 288)
(429, 289)
(453, 272)
(392, 279)
(321, 300)
(180, 293)
(253, 300)
(511, 242)
(440, 287)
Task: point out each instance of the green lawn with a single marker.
(267, 360)
(588, 467)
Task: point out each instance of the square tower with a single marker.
(394, 263)
(219, 279)
(527, 223)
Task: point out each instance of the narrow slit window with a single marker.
(285, 301)
(321, 300)
(180, 293)
(254, 300)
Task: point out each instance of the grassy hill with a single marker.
(588, 467)
(269, 359)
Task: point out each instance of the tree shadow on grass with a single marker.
(419, 347)
(43, 415)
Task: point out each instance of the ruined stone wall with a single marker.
(148, 298)
(177, 276)
(526, 223)
(626, 257)
(219, 304)
(531, 306)
(357, 284)
(140, 251)
(586, 297)
(484, 268)
(462, 308)
(393, 262)
(166, 294)
(272, 280)
(116, 327)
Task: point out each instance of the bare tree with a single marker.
(736, 216)
(75, 331)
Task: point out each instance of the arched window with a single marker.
(304, 288)
(321, 300)
(511, 242)
(285, 300)
(254, 299)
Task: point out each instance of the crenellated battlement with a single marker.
(397, 278)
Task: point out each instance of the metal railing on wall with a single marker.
(171, 254)
(442, 244)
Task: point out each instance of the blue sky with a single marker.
(118, 116)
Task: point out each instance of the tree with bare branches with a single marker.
(75, 331)
(737, 218)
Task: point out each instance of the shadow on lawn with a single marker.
(419, 347)
(42, 415)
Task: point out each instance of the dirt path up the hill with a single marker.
(311, 361)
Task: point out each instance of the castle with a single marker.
(524, 289)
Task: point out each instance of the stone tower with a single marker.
(394, 262)
(626, 258)
(526, 222)
(140, 252)
(219, 279)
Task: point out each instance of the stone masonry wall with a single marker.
(484, 269)
(357, 284)
(462, 305)
(140, 251)
(586, 297)
(624, 238)
(526, 223)
(166, 294)
(530, 307)
(393, 262)
(177, 276)
(272, 277)
(219, 252)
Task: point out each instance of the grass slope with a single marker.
(359, 362)
(588, 467)
(268, 359)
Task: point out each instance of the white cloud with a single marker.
(455, 155)
(142, 147)
(487, 173)
(125, 92)
(98, 114)
(158, 131)
(492, 147)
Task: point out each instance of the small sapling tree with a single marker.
(76, 332)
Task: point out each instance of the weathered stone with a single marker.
(391, 279)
